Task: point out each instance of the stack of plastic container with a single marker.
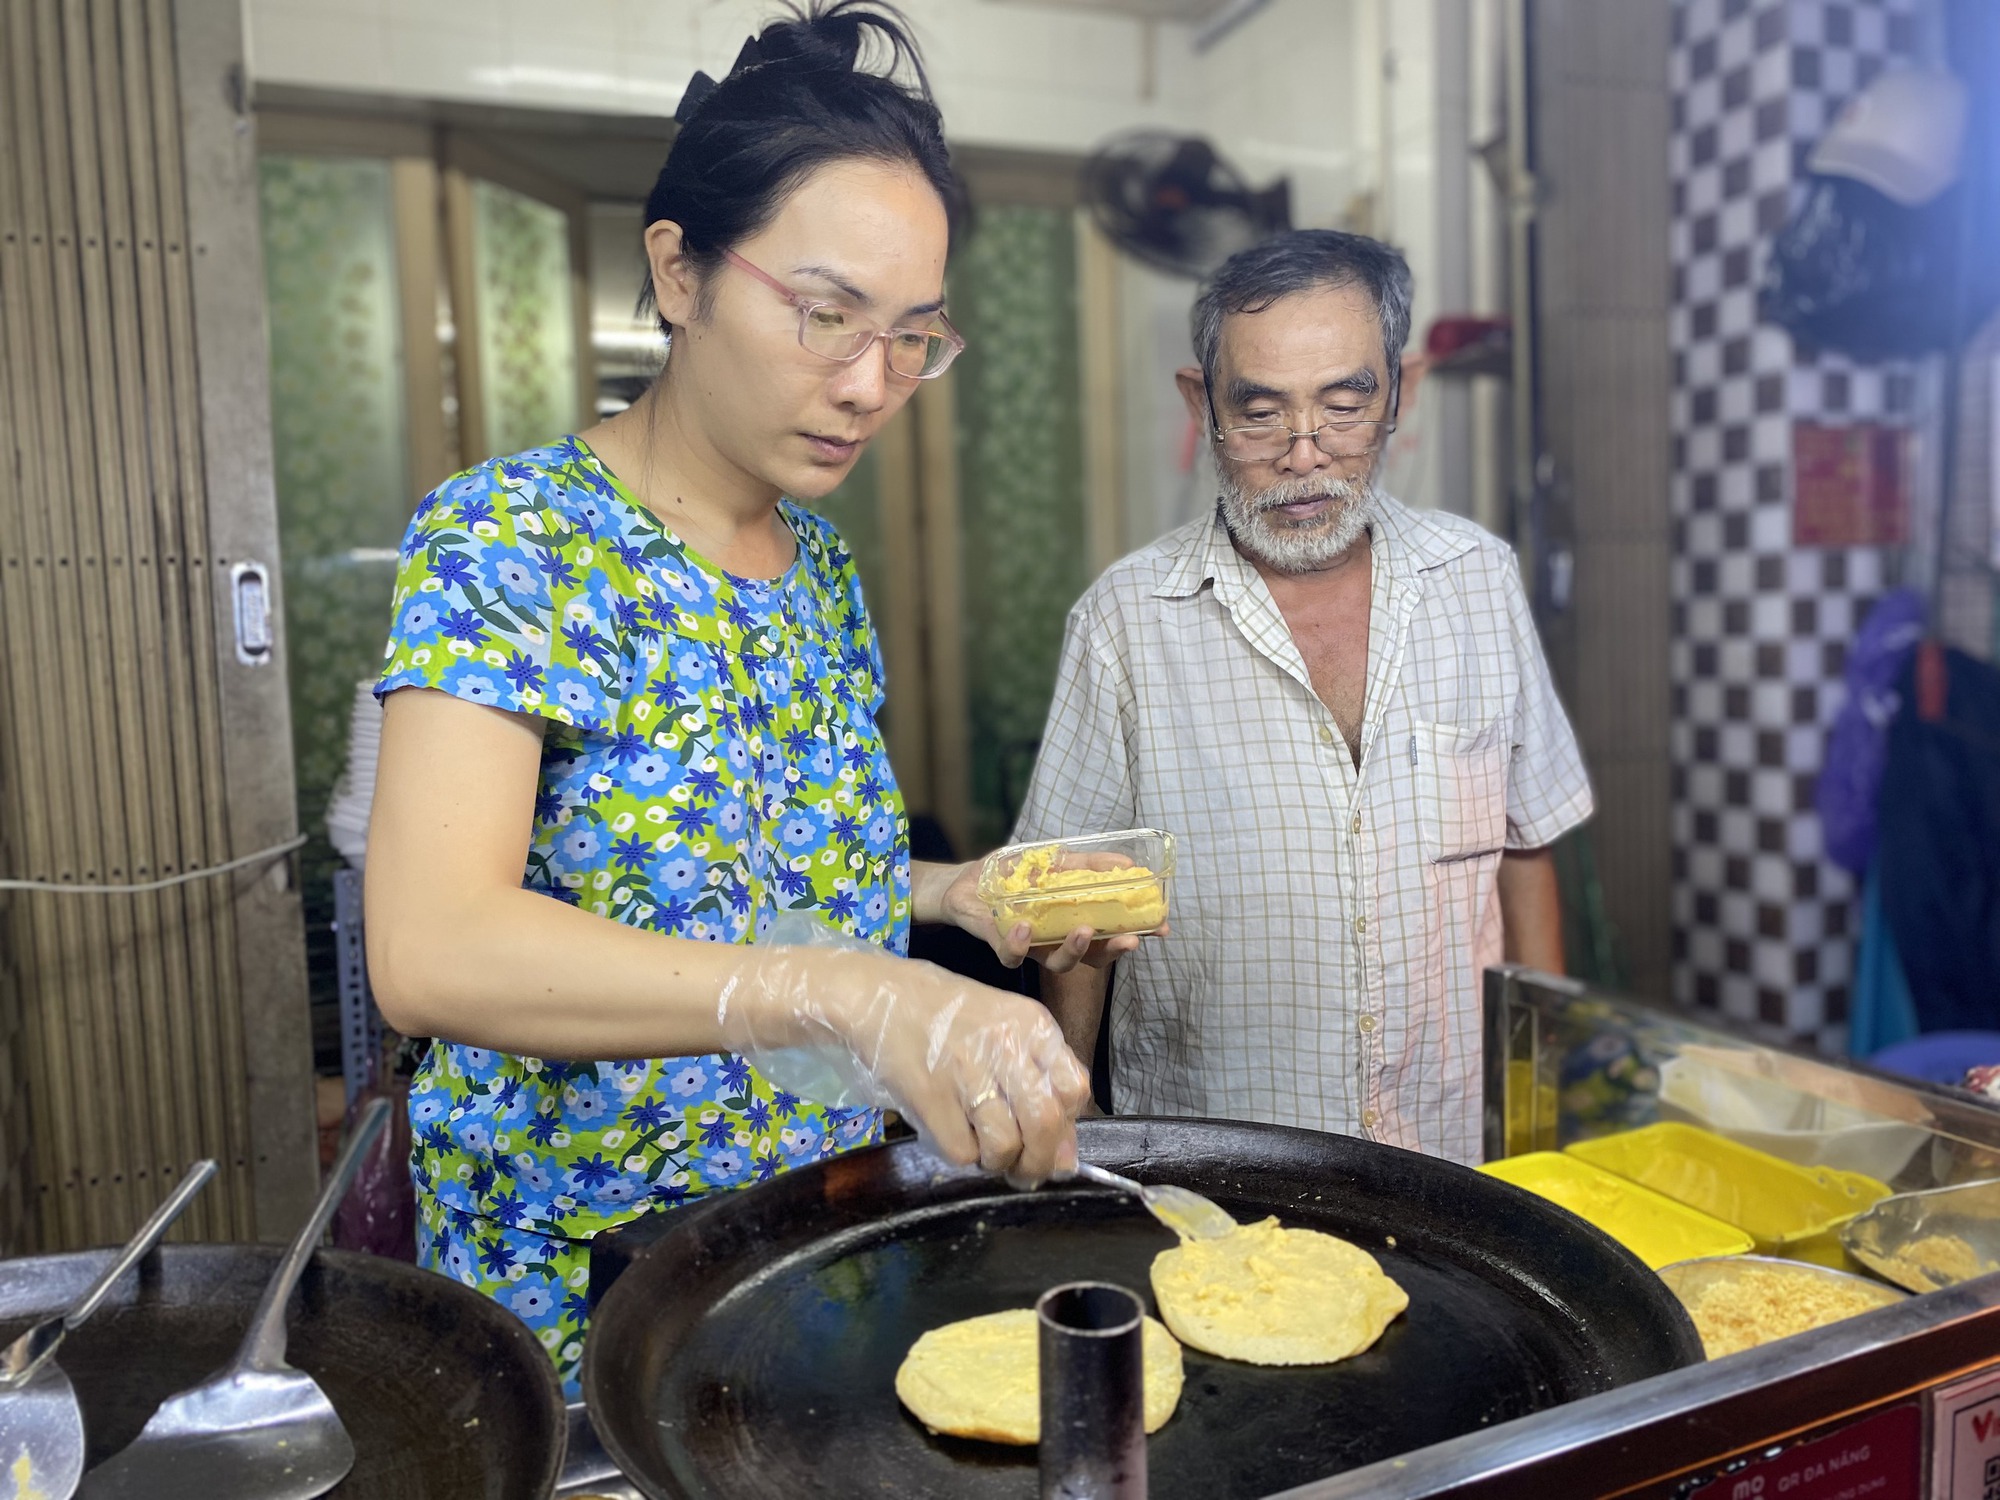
(354, 793)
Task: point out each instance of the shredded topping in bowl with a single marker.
(1756, 1305)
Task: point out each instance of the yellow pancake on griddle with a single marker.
(981, 1377)
(1274, 1296)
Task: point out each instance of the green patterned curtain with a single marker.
(527, 318)
(340, 441)
(855, 509)
(1020, 464)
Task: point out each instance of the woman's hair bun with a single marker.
(835, 80)
(826, 37)
(830, 36)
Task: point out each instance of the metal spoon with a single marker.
(1899, 1236)
(41, 1426)
(257, 1429)
(1182, 1210)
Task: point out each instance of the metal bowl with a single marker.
(446, 1394)
(1688, 1279)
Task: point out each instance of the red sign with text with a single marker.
(1877, 1458)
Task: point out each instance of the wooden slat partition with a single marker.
(115, 751)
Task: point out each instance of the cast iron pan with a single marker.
(752, 1349)
(447, 1395)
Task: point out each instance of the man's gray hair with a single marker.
(1303, 260)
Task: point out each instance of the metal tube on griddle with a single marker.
(1093, 1392)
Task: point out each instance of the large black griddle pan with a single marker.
(446, 1394)
(751, 1350)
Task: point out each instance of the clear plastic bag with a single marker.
(379, 1213)
(1857, 273)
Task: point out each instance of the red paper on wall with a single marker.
(1850, 485)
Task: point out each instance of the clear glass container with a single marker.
(1113, 883)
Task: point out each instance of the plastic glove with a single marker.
(984, 1076)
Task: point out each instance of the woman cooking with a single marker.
(626, 672)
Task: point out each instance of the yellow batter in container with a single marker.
(1112, 883)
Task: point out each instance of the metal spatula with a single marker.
(41, 1426)
(1182, 1210)
(257, 1429)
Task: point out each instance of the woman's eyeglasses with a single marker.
(839, 334)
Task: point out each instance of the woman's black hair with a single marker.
(797, 99)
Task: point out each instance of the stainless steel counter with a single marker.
(1674, 1430)
(587, 1474)
(1674, 1436)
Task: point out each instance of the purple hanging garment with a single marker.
(1857, 744)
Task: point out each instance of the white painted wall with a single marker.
(1371, 108)
(1364, 104)
(1026, 76)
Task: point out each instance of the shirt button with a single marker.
(1326, 734)
(1360, 924)
(1370, 1118)
(1367, 1023)
(1357, 822)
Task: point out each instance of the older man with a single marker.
(1341, 708)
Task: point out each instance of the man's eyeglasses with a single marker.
(839, 334)
(1266, 442)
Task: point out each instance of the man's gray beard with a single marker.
(1303, 546)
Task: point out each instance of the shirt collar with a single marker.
(1405, 542)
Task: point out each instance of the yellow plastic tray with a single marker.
(1656, 1229)
(1790, 1211)
(1531, 1109)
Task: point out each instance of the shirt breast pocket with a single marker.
(1461, 788)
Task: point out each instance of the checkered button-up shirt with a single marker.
(1329, 924)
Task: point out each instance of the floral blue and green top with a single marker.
(711, 757)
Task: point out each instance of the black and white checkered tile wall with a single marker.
(1764, 926)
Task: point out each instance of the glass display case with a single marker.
(1789, 1156)
(1565, 1064)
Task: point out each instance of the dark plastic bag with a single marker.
(1857, 746)
(379, 1213)
(1857, 273)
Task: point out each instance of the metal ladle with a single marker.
(1182, 1210)
(257, 1429)
(41, 1426)
(1929, 1239)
